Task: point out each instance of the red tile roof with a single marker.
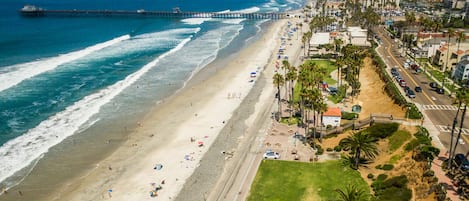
(460, 52)
(333, 112)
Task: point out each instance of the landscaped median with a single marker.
(286, 180)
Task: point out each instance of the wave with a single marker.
(195, 21)
(18, 73)
(23, 150)
(248, 10)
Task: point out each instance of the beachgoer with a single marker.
(20, 193)
(162, 182)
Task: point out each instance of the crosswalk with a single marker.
(447, 129)
(439, 107)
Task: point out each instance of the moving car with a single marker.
(269, 154)
(433, 85)
(440, 90)
(418, 89)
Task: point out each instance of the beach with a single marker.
(168, 144)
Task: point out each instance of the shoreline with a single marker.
(121, 169)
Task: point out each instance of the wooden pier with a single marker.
(176, 13)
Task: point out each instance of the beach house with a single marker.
(332, 117)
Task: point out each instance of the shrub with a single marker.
(370, 176)
(382, 130)
(320, 150)
(349, 115)
(379, 167)
(329, 149)
(387, 167)
(429, 173)
(382, 177)
(338, 148)
(393, 189)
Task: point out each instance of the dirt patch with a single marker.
(372, 97)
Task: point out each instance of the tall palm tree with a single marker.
(358, 143)
(462, 98)
(450, 33)
(286, 67)
(460, 37)
(352, 193)
(278, 82)
(291, 77)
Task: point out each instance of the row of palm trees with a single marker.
(462, 99)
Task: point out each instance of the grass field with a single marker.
(287, 180)
(330, 66)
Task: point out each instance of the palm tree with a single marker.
(352, 193)
(450, 33)
(278, 82)
(291, 77)
(460, 37)
(358, 143)
(462, 97)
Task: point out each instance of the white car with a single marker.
(269, 154)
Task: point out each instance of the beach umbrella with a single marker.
(153, 193)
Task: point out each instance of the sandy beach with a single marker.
(170, 142)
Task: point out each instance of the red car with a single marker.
(402, 83)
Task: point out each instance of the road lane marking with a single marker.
(439, 107)
(447, 129)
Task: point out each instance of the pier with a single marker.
(30, 10)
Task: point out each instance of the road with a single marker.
(436, 106)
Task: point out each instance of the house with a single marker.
(461, 71)
(455, 55)
(332, 117)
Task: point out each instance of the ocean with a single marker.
(65, 80)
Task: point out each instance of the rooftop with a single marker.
(333, 112)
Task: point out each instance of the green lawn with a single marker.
(397, 139)
(302, 181)
(330, 66)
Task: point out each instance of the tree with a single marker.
(450, 33)
(291, 76)
(358, 143)
(278, 82)
(352, 193)
(462, 98)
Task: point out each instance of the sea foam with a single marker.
(19, 152)
(17, 73)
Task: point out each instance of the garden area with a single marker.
(392, 164)
(303, 181)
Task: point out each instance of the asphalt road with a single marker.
(437, 107)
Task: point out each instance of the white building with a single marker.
(317, 39)
(461, 71)
(357, 36)
(332, 117)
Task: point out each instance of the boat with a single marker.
(31, 10)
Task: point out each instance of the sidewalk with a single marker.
(437, 162)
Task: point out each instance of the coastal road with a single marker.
(436, 106)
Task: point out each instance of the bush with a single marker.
(329, 149)
(413, 112)
(338, 148)
(320, 150)
(382, 130)
(349, 115)
(382, 177)
(379, 167)
(393, 189)
(387, 167)
(370, 176)
(429, 173)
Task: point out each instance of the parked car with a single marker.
(418, 89)
(402, 83)
(406, 88)
(269, 154)
(461, 161)
(433, 85)
(410, 93)
(440, 90)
